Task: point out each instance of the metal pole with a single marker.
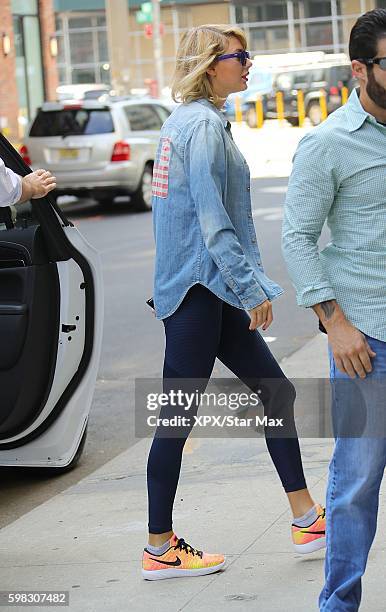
(291, 25)
(362, 6)
(176, 27)
(157, 46)
(335, 29)
(303, 33)
(117, 20)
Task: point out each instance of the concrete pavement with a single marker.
(88, 539)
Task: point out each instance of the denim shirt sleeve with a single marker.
(311, 192)
(206, 170)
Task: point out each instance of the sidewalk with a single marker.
(88, 539)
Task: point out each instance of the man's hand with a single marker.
(37, 184)
(261, 315)
(351, 351)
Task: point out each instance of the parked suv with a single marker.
(98, 149)
(311, 80)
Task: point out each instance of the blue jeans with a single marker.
(355, 477)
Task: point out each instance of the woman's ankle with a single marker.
(158, 539)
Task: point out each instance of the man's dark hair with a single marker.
(368, 29)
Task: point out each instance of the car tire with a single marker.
(105, 203)
(142, 198)
(294, 121)
(314, 113)
(58, 471)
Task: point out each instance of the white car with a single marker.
(51, 314)
(98, 149)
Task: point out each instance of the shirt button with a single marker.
(248, 188)
(254, 240)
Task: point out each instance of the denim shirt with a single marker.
(202, 215)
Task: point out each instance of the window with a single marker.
(317, 8)
(71, 122)
(274, 12)
(81, 47)
(83, 75)
(80, 22)
(319, 34)
(142, 118)
(255, 13)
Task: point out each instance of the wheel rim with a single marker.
(146, 188)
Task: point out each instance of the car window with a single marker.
(340, 74)
(318, 75)
(300, 78)
(163, 112)
(142, 118)
(94, 94)
(68, 122)
(284, 80)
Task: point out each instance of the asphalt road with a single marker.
(133, 338)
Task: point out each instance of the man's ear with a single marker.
(359, 70)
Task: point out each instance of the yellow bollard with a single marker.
(259, 113)
(323, 105)
(344, 94)
(301, 109)
(280, 106)
(238, 111)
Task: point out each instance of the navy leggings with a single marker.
(202, 328)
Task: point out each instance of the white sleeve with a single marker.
(10, 186)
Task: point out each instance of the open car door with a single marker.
(51, 317)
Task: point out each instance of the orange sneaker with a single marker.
(311, 538)
(179, 560)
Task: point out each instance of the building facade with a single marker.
(28, 73)
(33, 32)
(273, 26)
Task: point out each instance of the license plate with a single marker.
(68, 153)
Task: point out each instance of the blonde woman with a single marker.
(211, 291)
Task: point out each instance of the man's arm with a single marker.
(36, 185)
(311, 193)
(350, 348)
(15, 189)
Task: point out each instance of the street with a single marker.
(133, 338)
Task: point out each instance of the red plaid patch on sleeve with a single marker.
(160, 185)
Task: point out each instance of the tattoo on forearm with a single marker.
(328, 309)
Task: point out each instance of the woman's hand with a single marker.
(261, 315)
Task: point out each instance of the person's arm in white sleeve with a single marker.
(15, 189)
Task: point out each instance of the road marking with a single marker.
(269, 339)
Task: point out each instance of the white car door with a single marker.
(51, 317)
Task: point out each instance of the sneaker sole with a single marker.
(175, 573)
(310, 547)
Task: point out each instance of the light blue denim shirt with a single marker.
(339, 175)
(202, 215)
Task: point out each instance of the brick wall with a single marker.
(8, 89)
(47, 29)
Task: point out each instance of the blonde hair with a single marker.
(199, 47)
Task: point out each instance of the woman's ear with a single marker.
(211, 71)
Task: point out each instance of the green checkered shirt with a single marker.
(339, 174)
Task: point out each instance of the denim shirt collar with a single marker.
(214, 108)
